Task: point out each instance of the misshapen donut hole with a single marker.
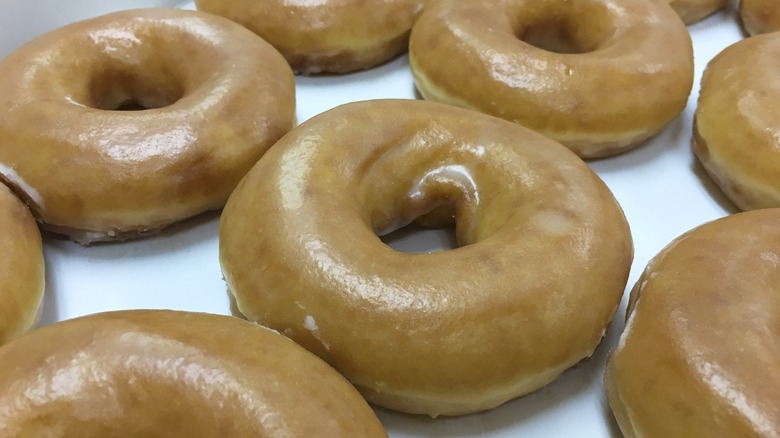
(123, 90)
(551, 35)
(574, 27)
(428, 233)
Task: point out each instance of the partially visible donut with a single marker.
(164, 373)
(213, 96)
(692, 11)
(599, 76)
(21, 268)
(737, 122)
(332, 36)
(543, 259)
(699, 355)
(759, 16)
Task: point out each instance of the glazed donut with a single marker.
(737, 119)
(692, 11)
(699, 354)
(21, 269)
(543, 259)
(214, 98)
(334, 36)
(613, 83)
(166, 373)
(759, 16)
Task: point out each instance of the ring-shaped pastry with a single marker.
(210, 98)
(22, 274)
(160, 373)
(543, 259)
(334, 36)
(737, 121)
(759, 16)
(692, 11)
(595, 75)
(699, 355)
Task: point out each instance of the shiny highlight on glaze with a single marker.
(543, 256)
(615, 84)
(211, 97)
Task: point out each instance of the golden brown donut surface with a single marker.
(335, 36)
(599, 76)
(692, 11)
(699, 355)
(760, 16)
(21, 268)
(542, 264)
(217, 97)
(165, 373)
(737, 121)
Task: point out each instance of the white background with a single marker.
(660, 185)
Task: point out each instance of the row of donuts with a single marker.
(93, 173)
(213, 172)
(119, 355)
(706, 305)
(422, 391)
(310, 330)
(480, 38)
(653, 396)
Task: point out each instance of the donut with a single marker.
(759, 16)
(736, 120)
(598, 76)
(692, 11)
(169, 373)
(699, 354)
(333, 36)
(21, 269)
(209, 97)
(542, 264)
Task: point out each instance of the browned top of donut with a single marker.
(163, 373)
(595, 75)
(544, 254)
(699, 355)
(737, 121)
(215, 97)
(21, 267)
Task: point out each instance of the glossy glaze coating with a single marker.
(164, 373)
(625, 70)
(218, 95)
(760, 16)
(543, 259)
(21, 267)
(699, 356)
(692, 11)
(326, 36)
(737, 122)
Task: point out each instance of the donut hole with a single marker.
(564, 27)
(117, 90)
(419, 239)
(552, 35)
(430, 232)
